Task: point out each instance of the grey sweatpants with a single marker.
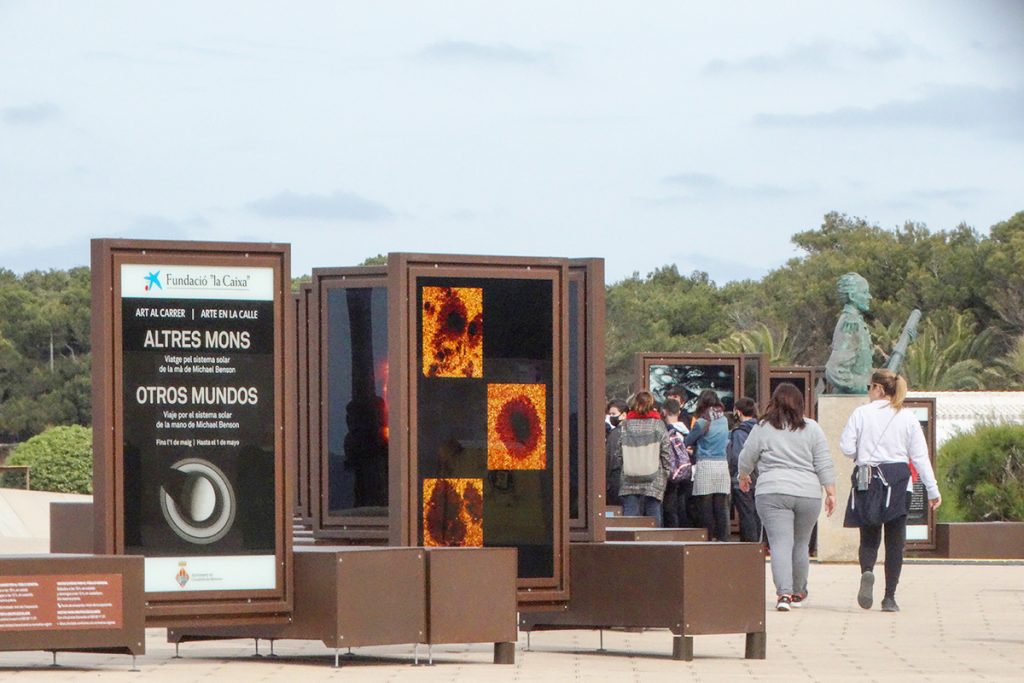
(788, 521)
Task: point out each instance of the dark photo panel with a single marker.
(484, 416)
(694, 378)
(198, 427)
(799, 382)
(357, 416)
(576, 410)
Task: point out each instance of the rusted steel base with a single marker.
(646, 534)
(504, 653)
(689, 588)
(471, 595)
(757, 646)
(623, 521)
(46, 592)
(354, 596)
(344, 597)
(71, 527)
(682, 648)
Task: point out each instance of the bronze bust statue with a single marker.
(848, 369)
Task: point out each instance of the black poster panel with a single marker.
(357, 415)
(199, 423)
(797, 381)
(485, 423)
(198, 427)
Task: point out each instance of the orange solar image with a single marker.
(453, 332)
(453, 512)
(516, 432)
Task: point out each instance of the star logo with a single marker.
(153, 281)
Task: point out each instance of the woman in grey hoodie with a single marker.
(791, 455)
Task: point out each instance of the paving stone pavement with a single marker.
(958, 622)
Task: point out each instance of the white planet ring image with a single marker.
(206, 507)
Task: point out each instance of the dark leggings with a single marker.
(714, 515)
(895, 538)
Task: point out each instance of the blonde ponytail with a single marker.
(894, 386)
(896, 400)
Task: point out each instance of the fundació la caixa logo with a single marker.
(153, 281)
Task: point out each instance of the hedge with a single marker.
(60, 458)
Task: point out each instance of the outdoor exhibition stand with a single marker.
(477, 395)
(351, 330)
(192, 360)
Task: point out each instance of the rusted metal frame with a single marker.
(107, 391)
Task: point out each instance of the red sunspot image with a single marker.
(516, 431)
(453, 332)
(453, 512)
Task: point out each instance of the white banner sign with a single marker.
(156, 281)
(216, 573)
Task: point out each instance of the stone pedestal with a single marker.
(836, 543)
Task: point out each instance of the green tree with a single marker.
(949, 353)
(1007, 371)
(760, 338)
(664, 311)
(45, 357)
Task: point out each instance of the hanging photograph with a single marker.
(693, 379)
(453, 513)
(516, 419)
(453, 332)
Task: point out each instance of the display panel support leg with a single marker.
(682, 648)
(505, 653)
(257, 648)
(337, 655)
(600, 640)
(177, 655)
(757, 645)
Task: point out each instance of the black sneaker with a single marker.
(889, 605)
(784, 603)
(867, 584)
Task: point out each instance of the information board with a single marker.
(193, 372)
(920, 518)
(56, 602)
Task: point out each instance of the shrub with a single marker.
(60, 458)
(984, 473)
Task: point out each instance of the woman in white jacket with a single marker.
(886, 438)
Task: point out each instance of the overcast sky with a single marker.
(697, 133)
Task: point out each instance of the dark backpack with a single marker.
(732, 453)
